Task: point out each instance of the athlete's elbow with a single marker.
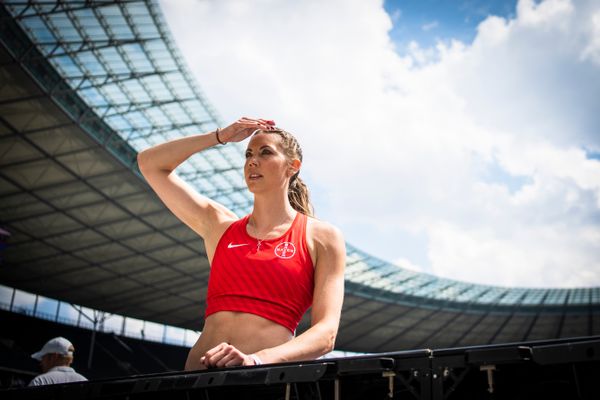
(328, 343)
(329, 347)
(148, 165)
(142, 160)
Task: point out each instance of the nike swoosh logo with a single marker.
(231, 245)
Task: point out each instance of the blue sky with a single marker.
(429, 21)
(455, 138)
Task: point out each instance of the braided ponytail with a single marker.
(297, 191)
(299, 197)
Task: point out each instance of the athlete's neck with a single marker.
(269, 214)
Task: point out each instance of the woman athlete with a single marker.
(267, 268)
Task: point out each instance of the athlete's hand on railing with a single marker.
(225, 355)
(243, 128)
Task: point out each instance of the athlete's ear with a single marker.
(295, 165)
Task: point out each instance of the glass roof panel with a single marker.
(67, 66)
(121, 31)
(93, 96)
(513, 296)
(65, 27)
(156, 115)
(556, 296)
(144, 26)
(118, 122)
(136, 9)
(534, 296)
(156, 86)
(579, 296)
(164, 63)
(136, 91)
(113, 61)
(448, 293)
(472, 293)
(137, 58)
(88, 62)
(38, 30)
(176, 112)
(142, 20)
(89, 25)
(138, 120)
(114, 93)
(493, 295)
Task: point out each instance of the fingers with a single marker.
(259, 120)
(230, 360)
(223, 355)
(244, 128)
(265, 124)
(214, 354)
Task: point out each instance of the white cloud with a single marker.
(429, 26)
(545, 14)
(402, 144)
(592, 50)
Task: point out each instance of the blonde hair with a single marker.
(298, 194)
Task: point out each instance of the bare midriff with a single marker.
(249, 333)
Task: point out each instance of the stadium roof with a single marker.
(84, 85)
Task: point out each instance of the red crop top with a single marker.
(272, 278)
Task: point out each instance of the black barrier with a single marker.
(565, 368)
(558, 369)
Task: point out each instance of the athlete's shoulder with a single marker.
(323, 232)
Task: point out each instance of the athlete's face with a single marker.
(267, 166)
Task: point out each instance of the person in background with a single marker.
(55, 360)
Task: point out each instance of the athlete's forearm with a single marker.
(167, 156)
(315, 342)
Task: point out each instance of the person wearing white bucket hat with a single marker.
(55, 360)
